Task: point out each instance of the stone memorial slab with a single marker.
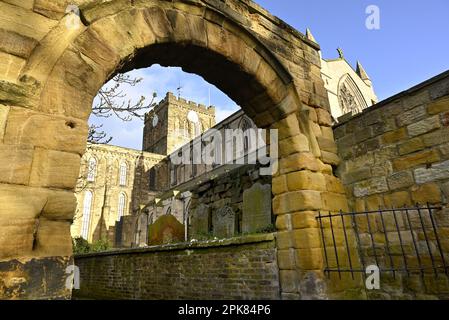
(224, 223)
(256, 215)
(199, 221)
(167, 229)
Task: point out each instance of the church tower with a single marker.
(173, 123)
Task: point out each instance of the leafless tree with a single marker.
(112, 102)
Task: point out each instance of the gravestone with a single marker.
(224, 223)
(256, 215)
(167, 229)
(199, 221)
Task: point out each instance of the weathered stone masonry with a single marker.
(231, 269)
(53, 72)
(396, 154)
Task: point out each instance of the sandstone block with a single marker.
(298, 143)
(21, 202)
(10, 67)
(374, 202)
(324, 117)
(414, 160)
(53, 238)
(439, 171)
(309, 259)
(394, 136)
(327, 133)
(335, 202)
(288, 127)
(413, 145)
(39, 130)
(24, 22)
(334, 184)
(16, 236)
(400, 180)
(3, 117)
(371, 186)
(283, 222)
(327, 145)
(353, 175)
(438, 106)
(279, 184)
(300, 161)
(306, 180)
(436, 137)
(445, 150)
(398, 200)
(288, 280)
(60, 205)
(424, 126)
(330, 158)
(15, 163)
(55, 169)
(286, 259)
(304, 220)
(427, 193)
(16, 44)
(284, 240)
(411, 116)
(445, 188)
(416, 99)
(307, 238)
(297, 201)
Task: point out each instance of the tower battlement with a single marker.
(169, 124)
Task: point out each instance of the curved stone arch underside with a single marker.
(70, 65)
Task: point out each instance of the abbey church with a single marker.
(122, 191)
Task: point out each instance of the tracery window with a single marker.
(87, 208)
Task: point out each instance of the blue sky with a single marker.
(411, 46)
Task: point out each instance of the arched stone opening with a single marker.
(69, 67)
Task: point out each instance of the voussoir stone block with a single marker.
(55, 169)
(298, 143)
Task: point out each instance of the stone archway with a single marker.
(268, 68)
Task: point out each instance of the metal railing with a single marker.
(404, 240)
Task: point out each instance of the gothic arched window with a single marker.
(349, 96)
(87, 208)
(245, 126)
(123, 174)
(91, 169)
(152, 179)
(121, 206)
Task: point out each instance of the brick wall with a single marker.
(396, 154)
(243, 268)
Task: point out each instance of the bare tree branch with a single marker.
(112, 102)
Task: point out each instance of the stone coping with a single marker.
(250, 239)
